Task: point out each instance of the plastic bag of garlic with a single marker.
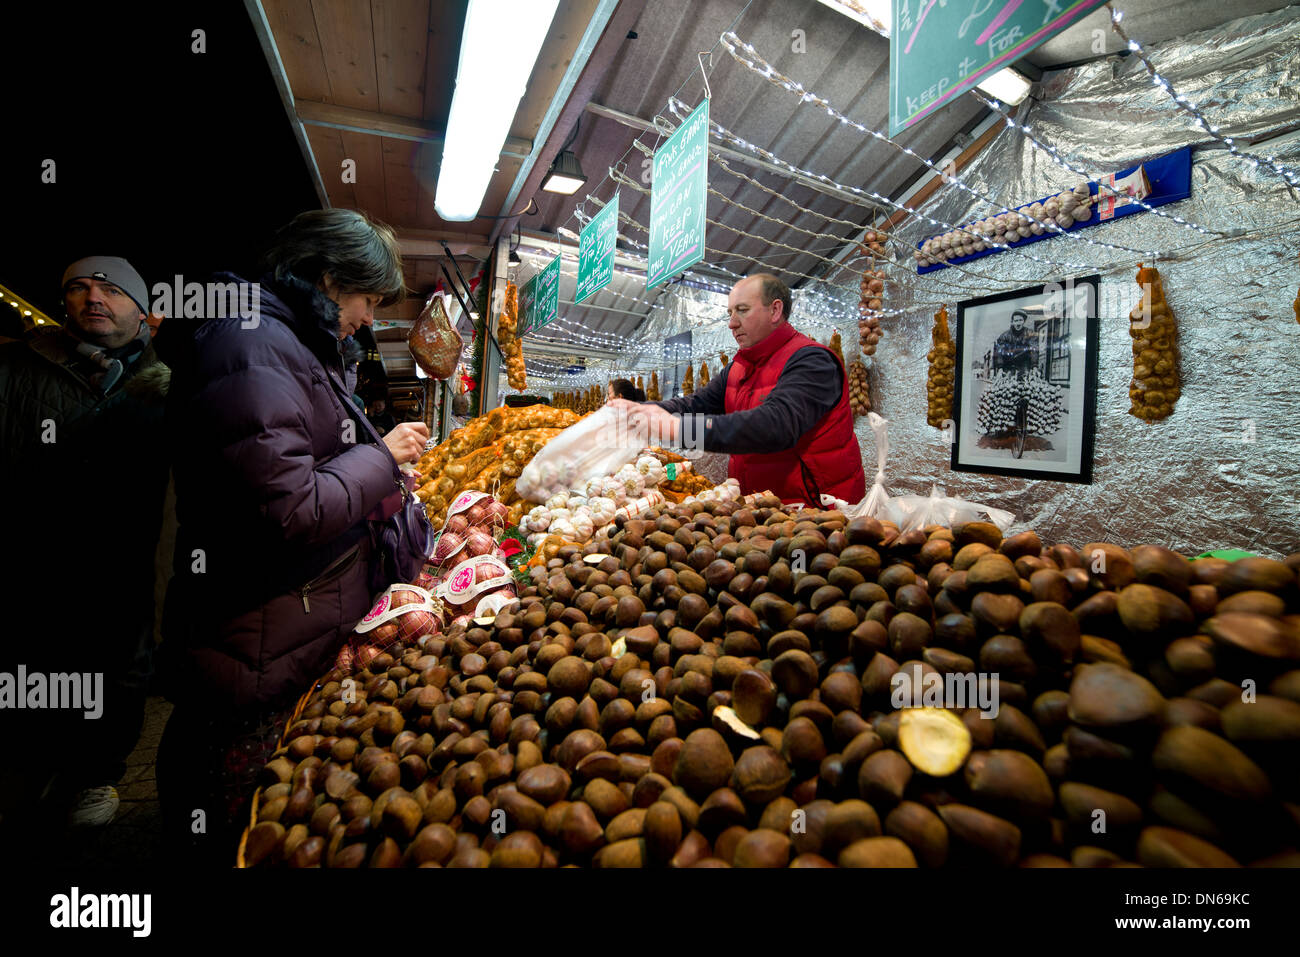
(600, 444)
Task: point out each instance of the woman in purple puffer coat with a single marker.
(276, 479)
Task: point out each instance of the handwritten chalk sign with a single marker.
(596, 245)
(937, 50)
(539, 299)
(678, 197)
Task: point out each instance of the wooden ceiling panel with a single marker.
(401, 37)
(446, 24)
(327, 146)
(294, 27)
(347, 41)
(400, 184)
(370, 190)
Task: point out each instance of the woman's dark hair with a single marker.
(625, 389)
(360, 254)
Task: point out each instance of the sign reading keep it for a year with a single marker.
(939, 49)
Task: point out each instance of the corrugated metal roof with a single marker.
(395, 61)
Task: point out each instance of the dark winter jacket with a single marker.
(1015, 352)
(275, 477)
(83, 474)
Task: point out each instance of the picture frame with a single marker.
(1025, 388)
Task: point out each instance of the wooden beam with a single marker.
(382, 124)
(266, 39)
(935, 182)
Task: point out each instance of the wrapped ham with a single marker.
(434, 343)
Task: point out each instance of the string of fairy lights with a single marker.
(1187, 106)
(678, 108)
(831, 310)
(751, 59)
(622, 179)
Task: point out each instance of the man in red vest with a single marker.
(780, 408)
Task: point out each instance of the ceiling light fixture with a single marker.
(565, 176)
(1008, 85)
(488, 89)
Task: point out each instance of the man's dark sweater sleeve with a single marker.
(809, 387)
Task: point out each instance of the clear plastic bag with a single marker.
(876, 503)
(599, 445)
(937, 508)
(433, 342)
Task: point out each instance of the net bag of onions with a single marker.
(477, 588)
(402, 613)
(474, 520)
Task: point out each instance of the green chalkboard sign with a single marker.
(677, 198)
(939, 50)
(539, 300)
(596, 246)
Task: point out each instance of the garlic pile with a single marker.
(578, 513)
(1155, 386)
(1063, 210)
(997, 408)
(728, 491)
(942, 357)
(859, 391)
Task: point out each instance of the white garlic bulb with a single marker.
(1064, 220)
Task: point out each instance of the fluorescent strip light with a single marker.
(1008, 85)
(498, 50)
(875, 15)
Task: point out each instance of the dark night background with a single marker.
(179, 162)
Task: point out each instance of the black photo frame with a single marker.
(1025, 389)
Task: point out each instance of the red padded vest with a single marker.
(826, 459)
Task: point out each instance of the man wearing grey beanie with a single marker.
(81, 410)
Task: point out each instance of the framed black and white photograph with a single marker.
(1026, 385)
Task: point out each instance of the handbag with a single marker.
(403, 539)
(400, 533)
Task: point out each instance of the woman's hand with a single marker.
(407, 441)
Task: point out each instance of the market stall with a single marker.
(1061, 629)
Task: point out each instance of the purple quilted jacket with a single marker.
(274, 476)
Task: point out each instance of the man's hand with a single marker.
(659, 426)
(407, 441)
